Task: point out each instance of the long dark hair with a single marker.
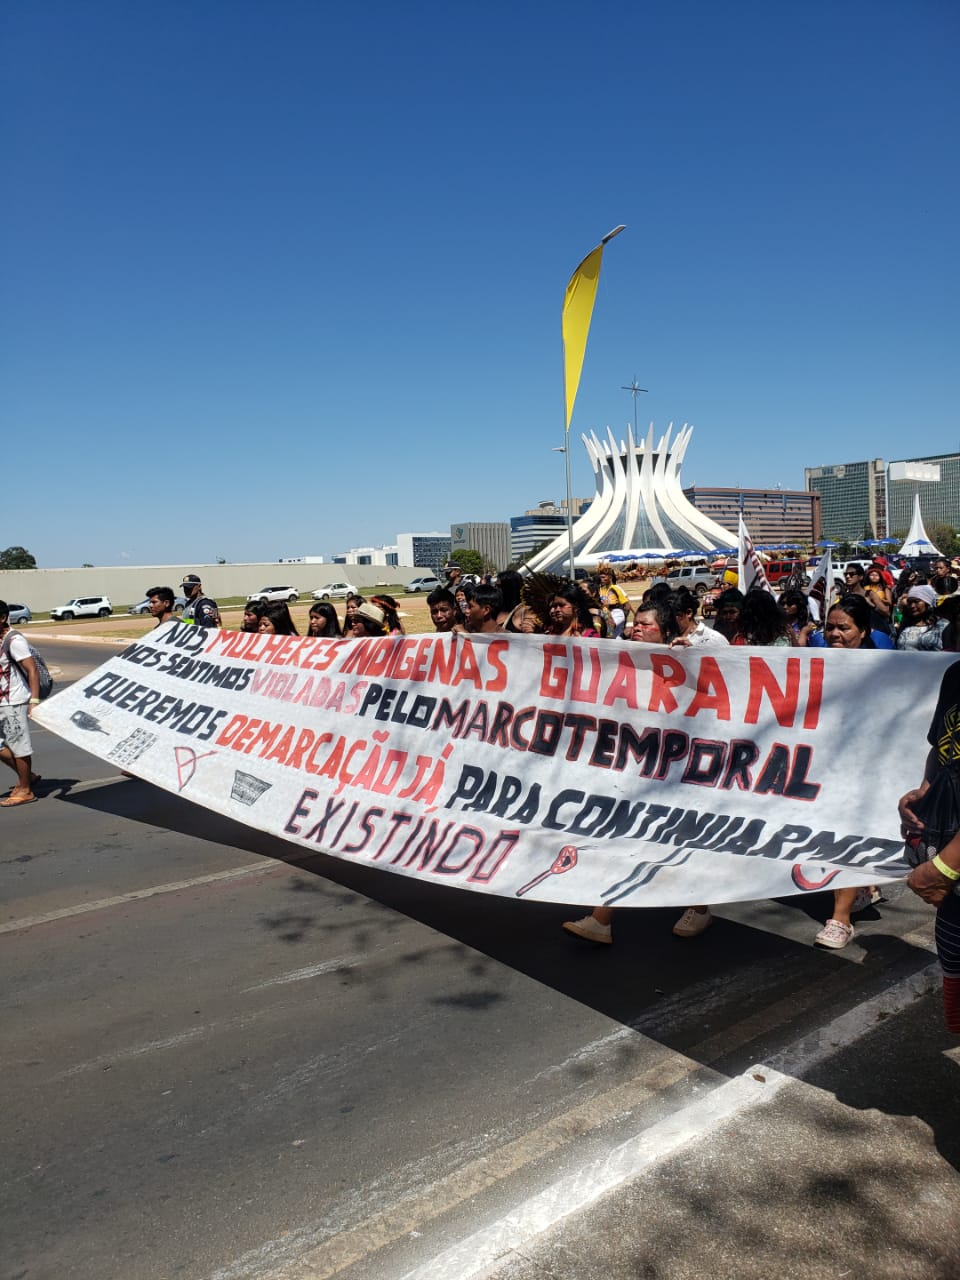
(510, 584)
(803, 609)
(279, 615)
(324, 609)
(581, 604)
(860, 612)
(761, 620)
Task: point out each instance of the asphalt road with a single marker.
(222, 1059)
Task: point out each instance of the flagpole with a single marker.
(569, 398)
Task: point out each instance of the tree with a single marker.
(17, 558)
(944, 538)
(469, 561)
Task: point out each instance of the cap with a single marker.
(924, 593)
(190, 580)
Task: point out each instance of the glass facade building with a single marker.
(875, 499)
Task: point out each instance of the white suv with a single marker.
(83, 607)
(275, 595)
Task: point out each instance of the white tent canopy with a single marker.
(917, 543)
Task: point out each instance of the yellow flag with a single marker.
(577, 313)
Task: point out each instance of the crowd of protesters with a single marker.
(873, 608)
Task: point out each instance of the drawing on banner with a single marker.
(90, 724)
(186, 759)
(565, 860)
(247, 788)
(132, 747)
(811, 886)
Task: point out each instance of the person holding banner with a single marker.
(653, 623)
(275, 620)
(729, 605)
(443, 610)
(323, 620)
(252, 612)
(693, 631)
(930, 818)
(367, 620)
(19, 691)
(570, 613)
(762, 622)
(847, 627)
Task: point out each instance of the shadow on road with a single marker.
(727, 998)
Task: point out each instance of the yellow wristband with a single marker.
(34, 700)
(944, 870)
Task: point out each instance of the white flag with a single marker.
(821, 587)
(749, 568)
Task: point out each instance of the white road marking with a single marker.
(477, 1255)
(473, 1256)
(102, 904)
(320, 1251)
(321, 967)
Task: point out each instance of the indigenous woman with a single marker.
(570, 613)
(275, 620)
(847, 627)
(323, 620)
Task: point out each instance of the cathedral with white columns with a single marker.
(639, 508)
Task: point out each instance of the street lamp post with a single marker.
(565, 449)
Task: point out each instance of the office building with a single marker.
(492, 540)
(852, 499)
(935, 479)
(424, 550)
(539, 525)
(772, 516)
(874, 499)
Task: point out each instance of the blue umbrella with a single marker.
(828, 544)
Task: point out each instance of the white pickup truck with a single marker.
(695, 577)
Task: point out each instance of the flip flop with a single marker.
(13, 800)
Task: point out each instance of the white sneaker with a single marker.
(693, 922)
(590, 929)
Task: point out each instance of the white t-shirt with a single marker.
(705, 635)
(13, 687)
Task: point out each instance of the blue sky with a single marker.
(283, 278)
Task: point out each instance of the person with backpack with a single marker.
(19, 691)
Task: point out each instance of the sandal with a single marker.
(834, 934)
(17, 796)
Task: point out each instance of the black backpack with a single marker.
(43, 675)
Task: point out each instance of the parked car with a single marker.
(695, 577)
(426, 583)
(275, 595)
(335, 591)
(778, 571)
(19, 613)
(179, 604)
(83, 607)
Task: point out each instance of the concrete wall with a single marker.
(43, 589)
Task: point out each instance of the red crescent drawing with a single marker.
(801, 881)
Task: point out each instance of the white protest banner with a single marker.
(576, 771)
(750, 574)
(821, 587)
